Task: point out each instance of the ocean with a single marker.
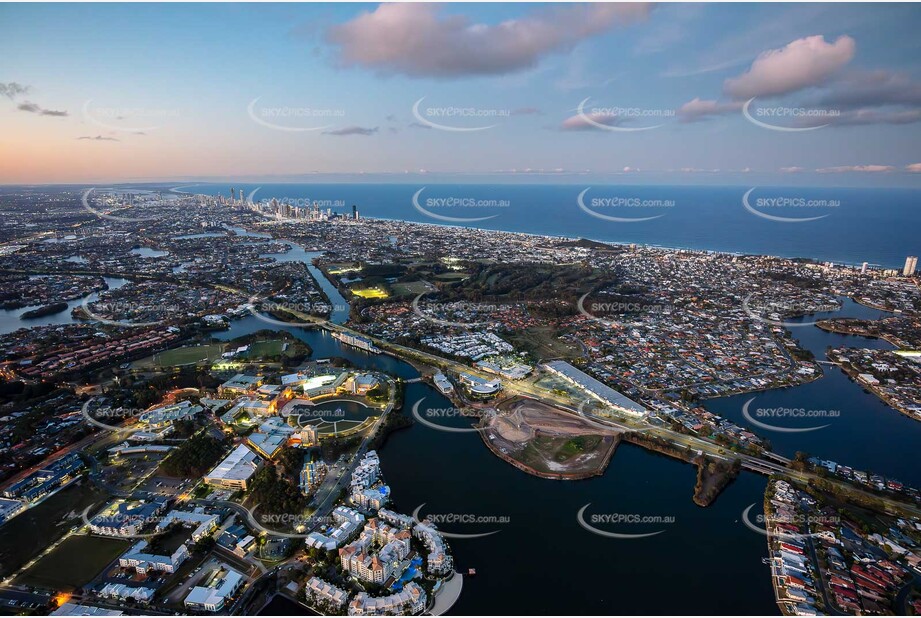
(878, 226)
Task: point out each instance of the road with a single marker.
(342, 478)
(763, 465)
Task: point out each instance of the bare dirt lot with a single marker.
(548, 442)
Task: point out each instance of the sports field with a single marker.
(85, 557)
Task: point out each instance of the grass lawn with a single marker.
(47, 522)
(409, 288)
(270, 348)
(183, 356)
(452, 276)
(74, 563)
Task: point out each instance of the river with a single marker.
(866, 434)
(704, 562)
(454, 473)
(10, 320)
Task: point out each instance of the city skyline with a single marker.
(627, 94)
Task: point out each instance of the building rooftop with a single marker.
(239, 465)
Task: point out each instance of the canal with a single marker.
(859, 429)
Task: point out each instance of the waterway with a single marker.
(10, 320)
(148, 252)
(865, 433)
(296, 253)
(694, 558)
(541, 561)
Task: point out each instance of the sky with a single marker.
(817, 94)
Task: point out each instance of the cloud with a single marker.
(415, 40)
(792, 170)
(914, 168)
(804, 63)
(871, 97)
(34, 108)
(11, 90)
(844, 169)
(418, 125)
(352, 131)
(583, 122)
(868, 116)
(100, 138)
(699, 109)
(861, 89)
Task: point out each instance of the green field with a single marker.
(177, 357)
(452, 276)
(268, 349)
(74, 563)
(410, 288)
(48, 521)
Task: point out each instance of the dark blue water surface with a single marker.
(542, 561)
(878, 226)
